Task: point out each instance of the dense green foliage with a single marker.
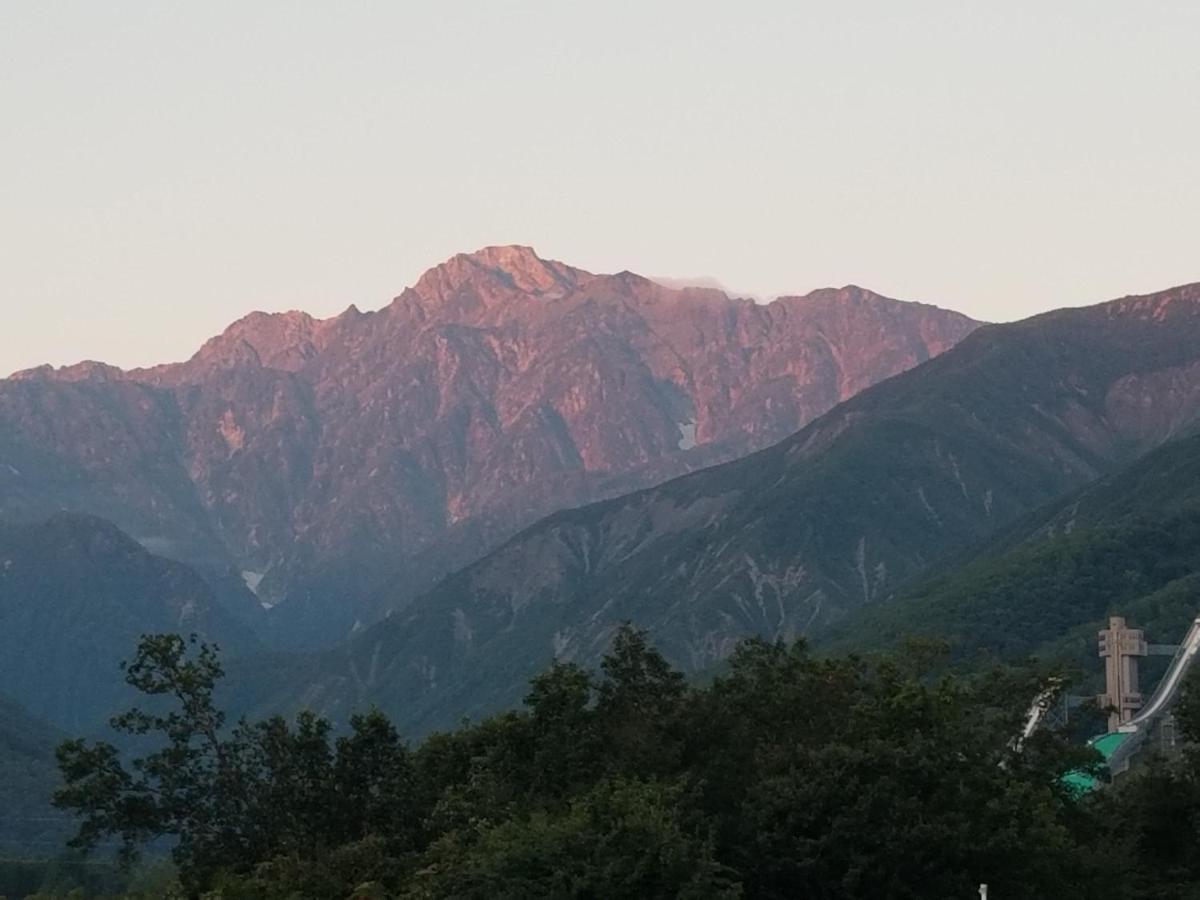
(1158, 811)
(1054, 594)
(74, 878)
(786, 776)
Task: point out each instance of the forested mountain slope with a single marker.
(1128, 545)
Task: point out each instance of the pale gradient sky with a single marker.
(167, 167)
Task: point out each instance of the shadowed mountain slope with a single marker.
(28, 778)
(75, 595)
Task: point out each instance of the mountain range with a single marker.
(794, 539)
(341, 467)
(420, 507)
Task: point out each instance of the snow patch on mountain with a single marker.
(687, 435)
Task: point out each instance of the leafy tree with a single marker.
(194, 788)
(375, 785)
(234, 800)
(622, 839)
(289, 781)
(836, 778)
(1156, 813)
(563, 739)
(640, 699)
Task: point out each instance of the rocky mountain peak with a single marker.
(470, 281)
(285, 341)
(528, 271)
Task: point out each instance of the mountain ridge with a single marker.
(320, 457)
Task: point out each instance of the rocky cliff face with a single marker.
(318, 456)
(789, 540)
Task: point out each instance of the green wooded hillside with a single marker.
(1128, 545)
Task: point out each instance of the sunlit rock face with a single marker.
(325, 455)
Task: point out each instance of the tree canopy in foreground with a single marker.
(786, 776)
